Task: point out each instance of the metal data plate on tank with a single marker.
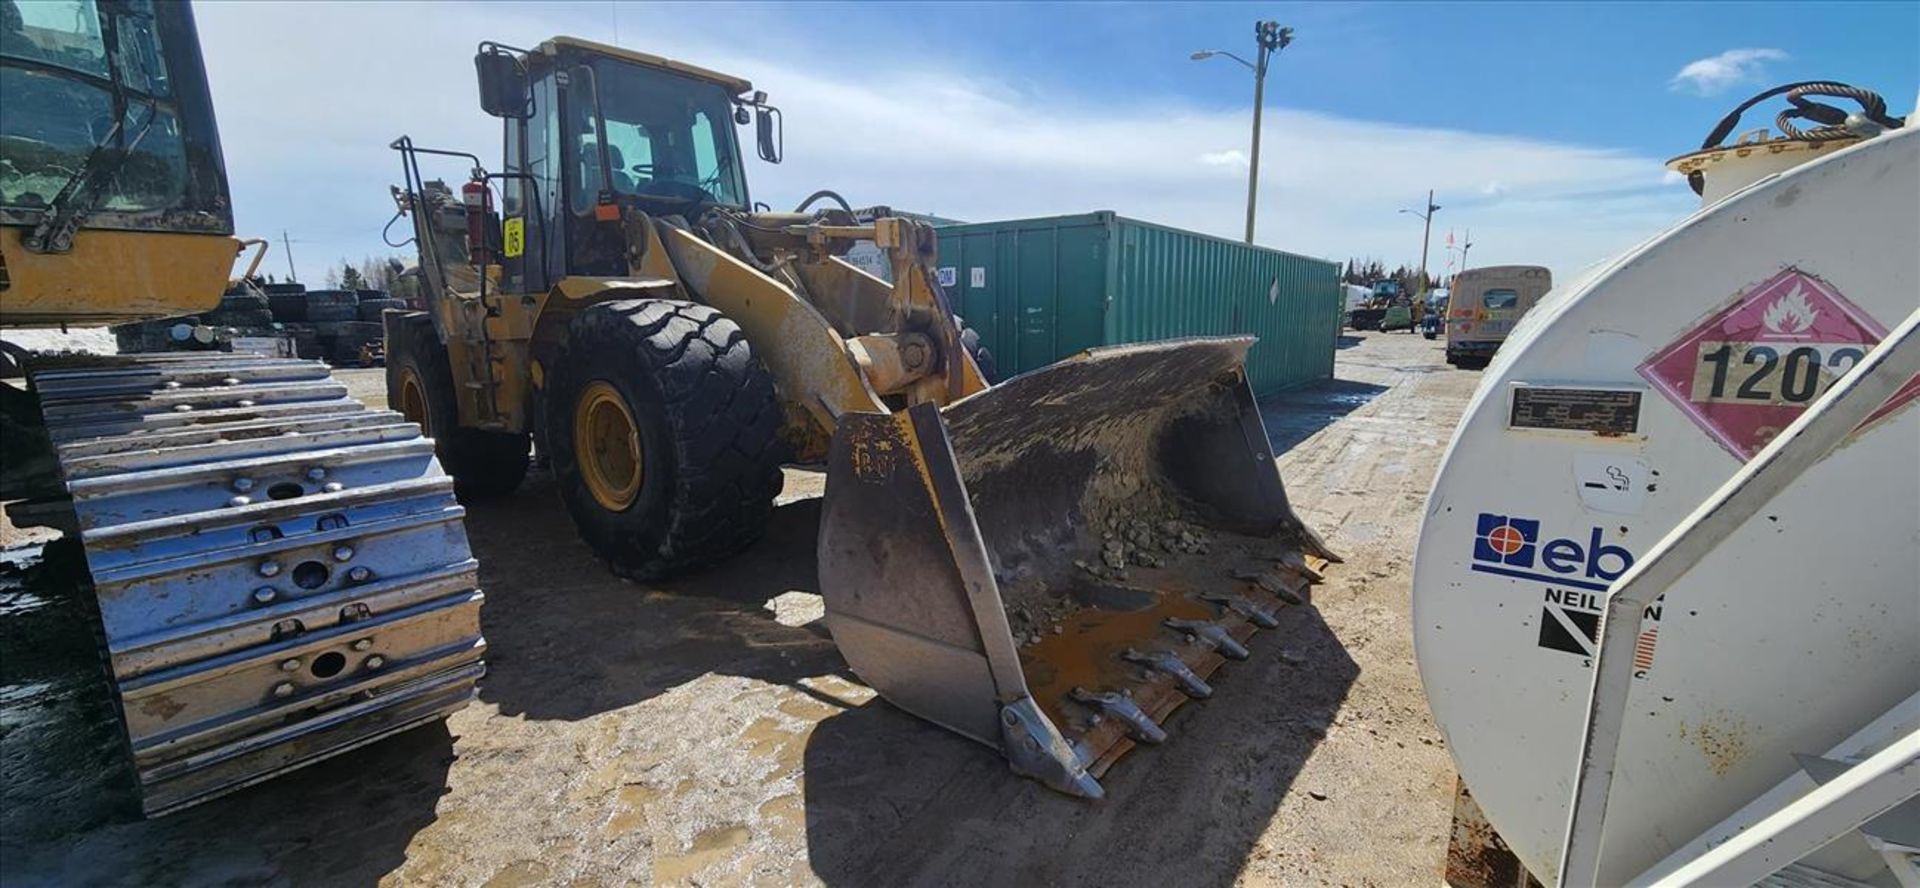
(282, 574)
(1097, 537)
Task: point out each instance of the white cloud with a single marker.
(1231, 158)
(1717, 74)
(306, 133)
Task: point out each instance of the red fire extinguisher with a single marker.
(478, 199)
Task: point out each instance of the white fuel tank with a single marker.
(1617, 405)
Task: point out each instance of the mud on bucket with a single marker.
(1051, 566)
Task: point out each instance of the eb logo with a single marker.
(1512, 547)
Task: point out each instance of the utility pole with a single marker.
(1465, 245)
(1425, 237)
(1270, 38)
(287, 245)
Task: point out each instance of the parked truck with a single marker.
(1484, 305)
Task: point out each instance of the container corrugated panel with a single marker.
(1039, 290)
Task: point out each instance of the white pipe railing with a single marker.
(1824, 425)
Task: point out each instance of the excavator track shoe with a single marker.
(282, 574)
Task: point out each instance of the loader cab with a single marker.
(593, 130)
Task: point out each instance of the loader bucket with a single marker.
(1052, 565)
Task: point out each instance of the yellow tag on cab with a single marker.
(514, 235)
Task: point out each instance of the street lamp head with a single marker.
(1203, 55)
(1271, 36)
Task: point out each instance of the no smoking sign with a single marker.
(1748, 370)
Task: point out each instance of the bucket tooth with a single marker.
(1299, 563)
(1170, 663)
(1120, 705)
(1212, 634)
(1255, 614)
(1283, 583)
(1034, 748)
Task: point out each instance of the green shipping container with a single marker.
(1038, 290)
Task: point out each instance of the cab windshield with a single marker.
(667, 136)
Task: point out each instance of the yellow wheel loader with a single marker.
(1049, 566)
(281, 574)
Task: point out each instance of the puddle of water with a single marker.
(634, 798)
(520, 873)
(713, 845)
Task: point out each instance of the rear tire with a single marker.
(663, 432)
(420, 386)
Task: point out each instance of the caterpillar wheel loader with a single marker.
(1049, 566)
(281, 574)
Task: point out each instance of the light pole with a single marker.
(1466, 244)
(1425, 235)
(1270, 38)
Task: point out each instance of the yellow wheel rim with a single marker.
(413, 401)
(606, 444)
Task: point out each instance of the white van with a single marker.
(1485, 304)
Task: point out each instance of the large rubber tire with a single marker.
(288, 307)
(982, 357)
(370, 309)
(332, 297)
(249, 318)
(243, 300)
(708, 426)
(483, 463)
(331, 313)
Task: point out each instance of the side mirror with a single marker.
(504, 89)
(770, 131)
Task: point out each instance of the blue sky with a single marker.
(1542, 126)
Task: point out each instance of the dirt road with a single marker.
(706, 731)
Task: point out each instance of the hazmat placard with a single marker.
(1748, 370)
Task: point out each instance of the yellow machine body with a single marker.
(1050, 565)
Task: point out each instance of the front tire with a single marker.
(663, 430)
(483, 463)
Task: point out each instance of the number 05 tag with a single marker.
(514, 235)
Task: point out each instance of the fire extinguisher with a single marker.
(478, 199)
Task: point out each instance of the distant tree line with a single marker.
(1364, 272)
(374, 273)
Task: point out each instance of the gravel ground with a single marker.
(706, 732)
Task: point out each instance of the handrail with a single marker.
(1824, 425)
